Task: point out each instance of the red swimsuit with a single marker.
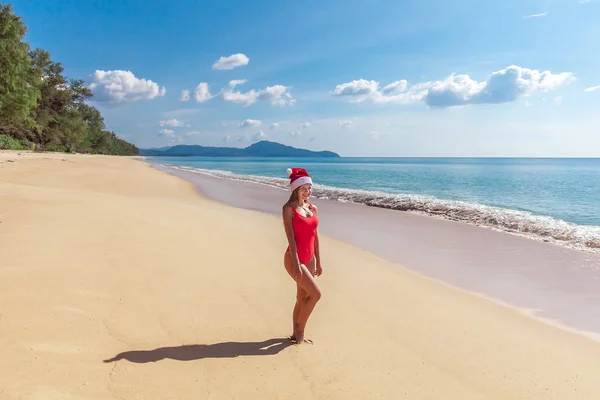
(305, 230)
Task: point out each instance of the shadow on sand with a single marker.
(200, 351)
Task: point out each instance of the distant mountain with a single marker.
(263, 148)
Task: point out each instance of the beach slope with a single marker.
(120, 281)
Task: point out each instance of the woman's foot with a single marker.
(304, 340)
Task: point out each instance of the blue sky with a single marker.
(359, 77)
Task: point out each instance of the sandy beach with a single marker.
(121, 281)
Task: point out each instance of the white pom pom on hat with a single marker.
(298, 177)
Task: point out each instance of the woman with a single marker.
(302, 260)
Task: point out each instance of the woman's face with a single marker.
(304, 191)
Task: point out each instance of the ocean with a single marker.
(549, 199)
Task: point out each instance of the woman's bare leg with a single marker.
(300, 298)
(308, 294)
(314, 295)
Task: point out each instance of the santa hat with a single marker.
(298, 177)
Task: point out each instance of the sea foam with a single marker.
(538, 227)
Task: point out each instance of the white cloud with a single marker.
(167, 132)
(396, 87)
(260, 135)
(116, 87)
(192, 133)
(247, 98)
(185, 96)
(227, 138)
(251, 122)
(274, 125)
(376, 135)
(202, 93)
(591, 89)
(172, 122)
(362, 90)
(237, 82)
(306, 125)
(277, 95)
(360, 87)
(502, 86)
(345, 124)
(231, 62)
(536, 15)
(295, 133)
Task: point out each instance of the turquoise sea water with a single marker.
(551, 199)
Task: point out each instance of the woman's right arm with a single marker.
(287, 214)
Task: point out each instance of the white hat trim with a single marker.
(299, 182)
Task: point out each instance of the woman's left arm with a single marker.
(319, 270)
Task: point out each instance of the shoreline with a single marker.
(515, 221)
(141, 288)
(564, 292)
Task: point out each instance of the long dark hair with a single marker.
(293, 197)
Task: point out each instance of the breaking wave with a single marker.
(539, 227)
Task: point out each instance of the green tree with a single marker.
(96, 141)
(40, 108)
(18, 87)
(79, 91)
(55, 98)
(73, 130)
(120, 146)
(61, 114)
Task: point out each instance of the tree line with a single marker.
(40, 108)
